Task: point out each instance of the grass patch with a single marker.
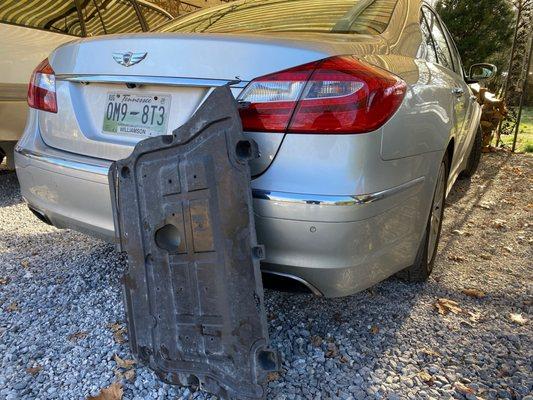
(524, 142)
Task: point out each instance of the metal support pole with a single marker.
(523, 95)
(508, 78)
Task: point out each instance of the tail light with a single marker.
(42, 89)
(337, 95)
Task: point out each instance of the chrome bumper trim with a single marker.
(281, 197)
(325, 200)
(62, 162)
(152, 80)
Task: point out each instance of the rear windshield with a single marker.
(323, 16)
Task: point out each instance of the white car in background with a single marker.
(31, 29)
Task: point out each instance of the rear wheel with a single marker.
(425, 258)
(474, 157)
(2, 155)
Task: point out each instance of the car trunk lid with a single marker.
(182, 67)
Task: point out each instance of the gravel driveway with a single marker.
(62, 321)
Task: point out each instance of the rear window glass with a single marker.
(335, 16)
(52, 15)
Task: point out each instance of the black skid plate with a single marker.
(193, 292)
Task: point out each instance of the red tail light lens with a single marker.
(42, 89)
(337, 95)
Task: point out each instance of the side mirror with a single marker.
(482, 72)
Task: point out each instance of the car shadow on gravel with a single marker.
(464, 187)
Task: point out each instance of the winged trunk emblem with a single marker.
(128, 58)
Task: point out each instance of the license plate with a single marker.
(132, 114)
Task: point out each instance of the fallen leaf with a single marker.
(465, 390)
(474, 316)
(13, 307)
(457, 258)
(458, 232)
(485, 206)
(472, 292)
(126, 364)
(119, 332)
(25, 263)
(272, 376)
(5, 281)
(74, 337)
(317, 341)
(112, 392)
(517, 319)
(425, 377)
(444, 306)
(130, 375)
(430, 352)
(499, 224)
(508, 249)
(332, 350)
(34, 370)
(485, 256)
(344, 360)
(374, 329)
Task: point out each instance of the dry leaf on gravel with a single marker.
(430, 352)
(499, 224)
(34, 370)
(119, 332)
(74, 337)
(273, 376)
(486, 206)
(459, 232)
(316, 341)
(425, 377)
(473, 292)
(130, 375)
(126, 364)
(332, 351)
(25, 263)
(464, 390)
(4, 281)
(457, 258)
(13, 307)
(374, 329)
(444, 306)
(112, 392)
(517, 319)
(485, 256)
(508, 249)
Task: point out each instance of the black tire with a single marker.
(474, 157)
(2, 155)
(423, 265)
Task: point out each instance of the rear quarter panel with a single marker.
(425, 121)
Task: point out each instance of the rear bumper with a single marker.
(337, 245)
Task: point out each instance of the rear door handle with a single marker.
(459, 92)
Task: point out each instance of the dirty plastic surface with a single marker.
(193, 292)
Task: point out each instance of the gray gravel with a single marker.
(60, 291)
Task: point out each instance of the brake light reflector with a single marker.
(337, 95)
(42, 89)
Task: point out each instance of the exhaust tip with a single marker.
(41, 216)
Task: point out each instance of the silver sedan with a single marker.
(361, 109)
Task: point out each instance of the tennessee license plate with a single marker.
(131, 114)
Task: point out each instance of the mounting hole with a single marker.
(125, 172)
(267, 360)
(243, 150)
(168, 238)
(167, 139)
